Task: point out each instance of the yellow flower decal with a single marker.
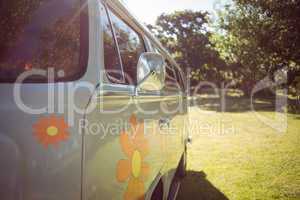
(134, 169)
(51, 130)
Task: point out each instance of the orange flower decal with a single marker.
(135, 146)
(51, 130)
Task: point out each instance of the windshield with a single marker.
(39, 34)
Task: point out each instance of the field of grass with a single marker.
(236, 156)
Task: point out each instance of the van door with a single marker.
(171, 105)
(123, 154)
(173, 114)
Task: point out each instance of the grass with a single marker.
(236, 156)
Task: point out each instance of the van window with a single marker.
(112, 60)
(41, 34)
(179, 77)
(173, 75)
(171, 80)
(131, 46)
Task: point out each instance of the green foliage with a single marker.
(186, 35)
(261, 36)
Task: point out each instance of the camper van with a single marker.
(92, 106)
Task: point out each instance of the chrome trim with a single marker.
(115, 89)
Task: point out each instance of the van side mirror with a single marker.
(151, 72)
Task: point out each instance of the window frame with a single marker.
(179, 79)
(107, 13)
(140, 33)
(172, 83)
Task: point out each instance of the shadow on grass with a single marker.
(196, 186)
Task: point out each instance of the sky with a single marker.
(148, 10)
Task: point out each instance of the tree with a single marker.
(186, 35)
(261, 36)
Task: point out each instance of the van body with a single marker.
(92, 106)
